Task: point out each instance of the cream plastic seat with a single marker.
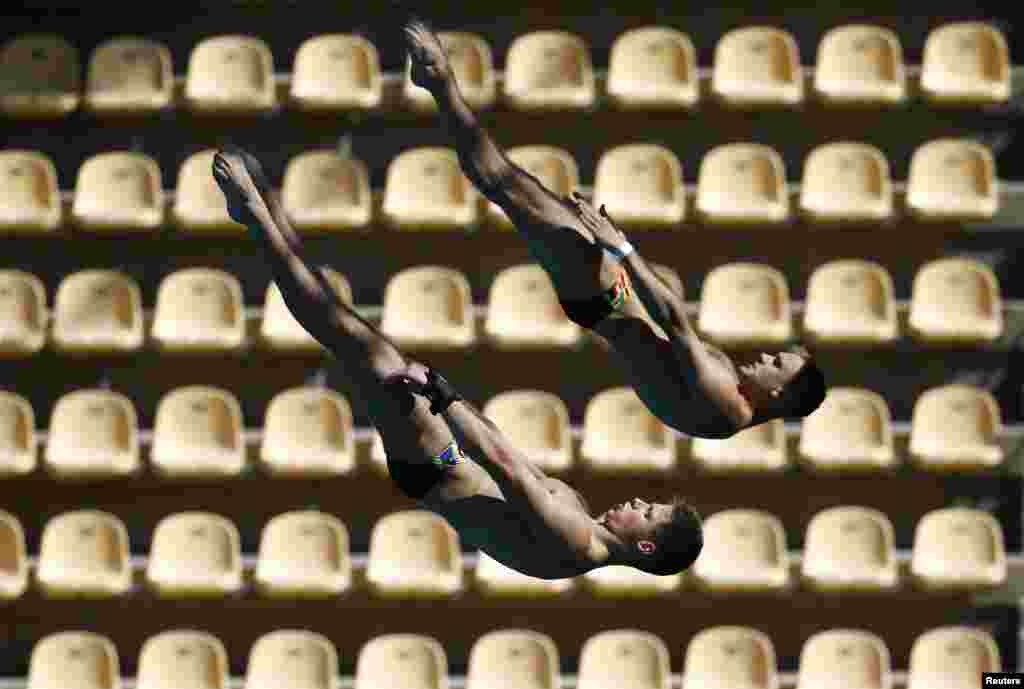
(13, 557)
(429, 307)
(653, 68)
(195, 554)
(198, 433)
(952, 658)
(555, 168)
(851, 431)
(336, 72)
(84, 553)
(744, 550)
(29, 198)
(304, 554)
(641, 185)
(513, 659)
(624, 659)
(850, 548)
(860, 65)
(129, 75)
(958, 548)
(230, 75)
(183, 658)
(199, 310)
(292, 659)
(620, 435)
(549, 70)
(308, 431)
(22, 314)
(956, 427)
(757, 66)
(845, 658)
(850, 302)
(523, 311)
(744, 304)
(966, 63)
(756, 449)
(324, 192)
(17, 435)
(119, 192)
(494, 579)
(426, 190)
(199, 205)
(94, 434)
(846, 182)
(619, 581)
(402, 661)
(956, 301)
(951, 180)
(471, 60)
(414, 553)
(40, 78)
(98, 311)
(280, 330)
(537, 423)
(742, 184)
(74, 660)
(730, 658)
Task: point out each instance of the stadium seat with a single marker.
(304, 554)
(620, 582)
(78, 660)
(429, 307)
(22, 314)
(118, 192)
(537, 423)
(195, 554)
(757, 66)
(414, 553)
(308, 432)
(17, 435)
(40, 77)
(620, 435)
(745, 304)
(324, 192)
(199, 310)
(292, 659)
(183, 658)
(198, 433)
(846, 182)
(956, 301)
(13, 557)
(335, 72)
(230, 75)
(549, 70)
(378, 456)
(29, 198)
(281, 331)
(851, 303)
(653, 68)
(956, 427)
(744, 550)
(952, 658)
(129, 75)
(952, 180)
(426, 190)
(860, 65)
(757, 449)
(730, 658)
(84, 553)
(523, 311)
(966, 63)
(199, 206)
(742, 184)
(93, 434)
(624, 659)
(401, 661)
(470, 58)
(513, 659)
(641, 185)
(844, 658)
(494, 579)
(850, 432)
(98, 312)
(958, 548)
(850, 549)
(555, 168)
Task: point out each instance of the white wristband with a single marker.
(620, 252)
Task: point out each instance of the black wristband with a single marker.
(440, 392)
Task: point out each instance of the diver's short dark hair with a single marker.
(679, 542)
(805, 392)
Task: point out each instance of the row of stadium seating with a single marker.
(650, 68)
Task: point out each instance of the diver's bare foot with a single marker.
(239, 176)
(430, 67)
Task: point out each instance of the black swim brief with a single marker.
(588, 312)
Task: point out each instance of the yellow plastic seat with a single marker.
(17, 435)
(429, 307)
(195, 554)
(851, 431)
(620, 435)
(13, 557)
(198, 433)
(653, 68)
(966, 63)
(730, 658)
(850, 549)
(98, 312)
(230, 75)
(183, 658)
(336, 72)
(845, 658)
(470, 58)
(624, 659)
(850, 302)
(555, 168)
(22, 314)
(308, 432)
(952, 658)
(757, 66)
(956, 301)
(620, 581)
(281, 331)
(744, 550)
(304, 554)
(292, 659)
(118, 192)
(549, 70)
(952, 180)
(199, 310)
(846, 182)
(756, 449)
(537, 423)
(523, 311)
(513, 659)
(29, 198)
(129, 75)
(742, 184)
(414, 553)
(958, 548)
(956, 427)
(324, 192)
(74, 660)
(745, 304)
(84, 553)
(40, 78)
(402, 661)
(199, 205)
(93, 434)
(860, 65)
(641, 185)
(493, 579)
(426, 190)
